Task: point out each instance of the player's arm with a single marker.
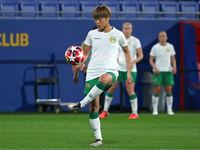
(128, 63)
(75, 67)
(151, 61)
(86, 53)
(139, 58)
(173, 61)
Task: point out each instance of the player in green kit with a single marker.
(102, 70)
(163, 69)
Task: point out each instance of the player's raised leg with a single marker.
(104, 81)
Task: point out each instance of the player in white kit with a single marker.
(102, 71)
(135, 49)
(163, 69)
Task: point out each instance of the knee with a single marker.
(103, 80)
(106, 79)
(130, 91)
(157, 90)
(168, 90)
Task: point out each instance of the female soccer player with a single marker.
(102, 70)
(163, 69)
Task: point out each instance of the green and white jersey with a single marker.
(105, 49)
(133, 45)
(162, 56)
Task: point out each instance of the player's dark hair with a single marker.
(101, 11)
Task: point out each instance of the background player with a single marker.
(135, 48)
(102, 70)
(163, 70)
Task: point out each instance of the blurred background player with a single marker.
(102, 70)
(163, 69)
(135, 48)
(85, 66)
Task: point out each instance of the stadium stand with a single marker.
(130, 6)
(9, 6)
(113, 1)
(114, 7)
(149, 6)
(49, 6)
(149, 0)
(88, 6)
(31, 6)
(69, 6)
(169, 6)
(189, 6)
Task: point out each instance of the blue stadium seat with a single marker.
(130, 6)
(113, 1)
(9, 6)
(114, 7)
(88, 6)
(95, 1)
(150, 0)
(169, 6)
(149, 6)
(69, 6)
(189, 6)
(50, 6)
(28, 1)
(29, 6)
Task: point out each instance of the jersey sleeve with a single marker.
(137, 44)
(123, 41)
(173, 51)
(88, 40)
(152, 52)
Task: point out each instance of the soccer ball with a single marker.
(74, 55)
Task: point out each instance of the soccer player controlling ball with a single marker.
(102, 70)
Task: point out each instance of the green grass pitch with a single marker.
(73, 131)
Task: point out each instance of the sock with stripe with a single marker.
(155, 99)
(108, 100)
(94, 92)
(169, 101)
(134, 103)
(96, 125)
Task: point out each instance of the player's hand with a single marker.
(157, 72)
(76, 79)
(174, 70)
(129, 80)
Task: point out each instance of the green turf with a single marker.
(73, 131)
